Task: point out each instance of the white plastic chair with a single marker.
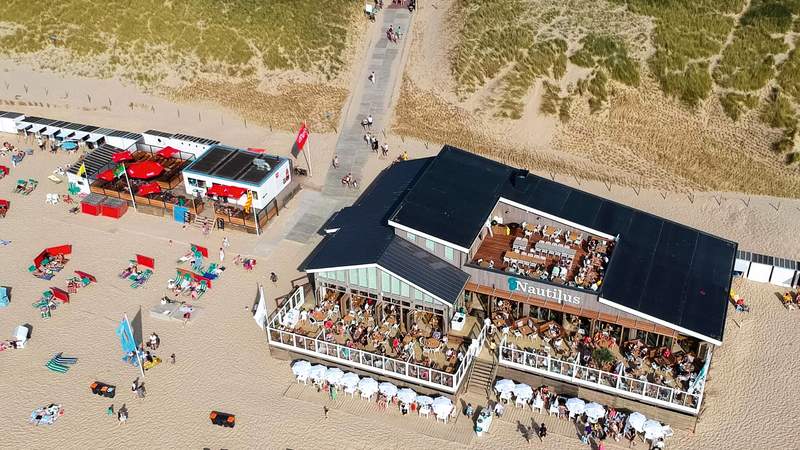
(519, 402)
(351, 390)
(553, 411)
(442, 418)
(505, 397)
(573, 415)
(538, 404)
(424, 410)
(302, 379)
(366, 396)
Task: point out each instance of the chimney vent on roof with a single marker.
(261, 164)
(518, 178)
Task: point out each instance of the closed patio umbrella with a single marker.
(387, 389)
(317, 372)
(406, 395)
(167, 152)
(301, 368)
(594, 411)
(523, 391)
(504, 385)
(350, 379)
(334, 375)
(636, 421)
(576, 405)
(424, 400)
(368, 386)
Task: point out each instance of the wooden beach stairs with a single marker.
(202, 221)
(481, 377)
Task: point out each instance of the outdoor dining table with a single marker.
(520, 243)
(318, 316)
(525, 330)
(432, 343)
(555, 248)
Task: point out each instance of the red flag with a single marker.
(302, 137)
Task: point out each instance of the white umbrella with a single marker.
(576, 405)
(350, 379)
(301, 367)
(594, 411)
(334, 375)
(653, 429)
(504, 385)
(424, 400)
(406, 395)
(387, 389)
(523, 391)
(368, 386)
(317, 372)
(636, 421)
(442, 406)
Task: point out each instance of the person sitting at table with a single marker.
(436, 334)
(449, 353)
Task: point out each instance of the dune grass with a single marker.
(234, 37)
(735, 104)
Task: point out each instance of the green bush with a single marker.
(602, 356)
(779, 113)
(792, 158)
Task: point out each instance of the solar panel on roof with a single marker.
(158, 133)
(88, 128)
(210, 159)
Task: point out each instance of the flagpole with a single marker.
(307, 151)
(133, 336)
(128, 180)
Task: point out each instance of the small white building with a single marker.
(123, 139)
(238, 171)
(9, 121)
(183, 142)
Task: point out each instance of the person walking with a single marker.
(369, 122)
(221, 255)
(335, 161)
(385, 149)
(371, 79)
(172, 358)
(325, 411)
(375, 145)
(225, 242)
(110, 410)
(134, 386)
(469, 411)
(542, 432)
(273, 277)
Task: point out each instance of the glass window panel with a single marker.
(417, 294)
(385, 284)
(395, 286)
(340, 275)
(372, 278)
(448, 253)
(404, 290)
(352, 274)
(411, 237)
(430, 245)
(362, 277)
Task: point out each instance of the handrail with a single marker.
(616, 383)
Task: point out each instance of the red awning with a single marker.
(107, 175)
(220, 190)
(86, 275)
(256, 150)
(167, 152)
(149, 188)
(145, 169)
(4, 203)
(121, 156)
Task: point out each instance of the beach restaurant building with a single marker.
(459, 256)
(234, 177)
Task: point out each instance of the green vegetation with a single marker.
(789, 75)
(778, 112)
(234, 37)
(602, 356)
(736, 104)
(609, 53)
(688, 33)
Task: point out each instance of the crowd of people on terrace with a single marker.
(600, 351)
(557, 255)
(423, 343)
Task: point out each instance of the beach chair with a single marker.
(202, 288)
(21, 336)
(4, 300)
(30, 187)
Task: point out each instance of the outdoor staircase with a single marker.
(481, 377)
(202, 221)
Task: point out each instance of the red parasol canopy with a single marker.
(149, 188)
(4, 170)
(121, 156)
(220, 190)
(167, 152)
(86, 275)
(145, 169)
(256, 150)
(107, 175)
(60, 294)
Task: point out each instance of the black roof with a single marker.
(234, 164)
(424, 269)
(662, 269)
(158, 133)
(364, 237)
(95, 160)
(10, 115)
(199, 140)
(126, 135)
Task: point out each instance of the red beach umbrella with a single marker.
(220, 190)
(121, 156)
(149, 188)
(167, 152)
(145, 169)
(107, 175)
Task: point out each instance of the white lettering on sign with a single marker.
(553, 293)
